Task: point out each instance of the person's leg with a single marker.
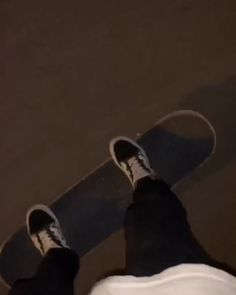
(157, 232)
(59, 265)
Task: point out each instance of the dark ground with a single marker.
(74, 74)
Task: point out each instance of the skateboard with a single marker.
(94, 209)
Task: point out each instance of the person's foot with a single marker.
(44, 229)
(131, 159)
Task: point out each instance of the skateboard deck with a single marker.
(94, 209)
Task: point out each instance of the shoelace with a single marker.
(135, 164)
(47, 239)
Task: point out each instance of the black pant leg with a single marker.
(55, 275)
(157, 232)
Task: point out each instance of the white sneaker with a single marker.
(44, 229)
(131, 159)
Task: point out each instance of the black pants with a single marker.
(55, 275)
(157, 235)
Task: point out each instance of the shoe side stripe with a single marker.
(40, 243)
(129, 170)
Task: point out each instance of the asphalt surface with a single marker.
(76, 74)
